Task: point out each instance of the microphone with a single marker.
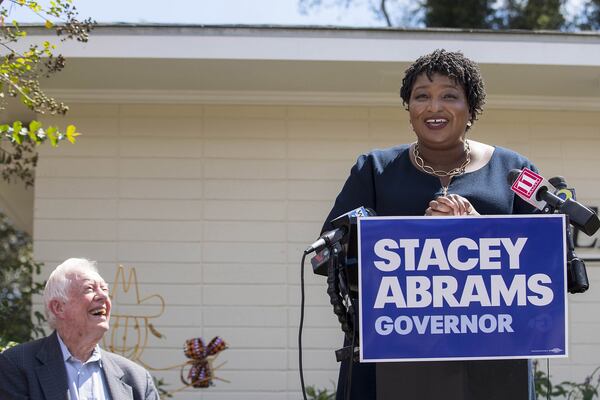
(537, 191)
(342, 227)
(529, 186)
(327, 239)
(577, 279)
(562, 189)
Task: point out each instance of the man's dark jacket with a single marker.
(36, 371)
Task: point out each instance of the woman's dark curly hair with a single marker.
(453, 65)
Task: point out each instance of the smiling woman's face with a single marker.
(439, 111)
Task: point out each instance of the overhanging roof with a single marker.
(177, 63)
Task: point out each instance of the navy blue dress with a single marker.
(387, 181)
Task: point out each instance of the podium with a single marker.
(453, 380)
(438, 323)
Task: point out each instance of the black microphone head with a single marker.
(558, 182)
(512, 176)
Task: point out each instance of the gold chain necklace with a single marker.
(441, 173)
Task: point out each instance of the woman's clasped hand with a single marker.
(452, 204)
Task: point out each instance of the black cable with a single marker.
(300, 327)
(349, 379)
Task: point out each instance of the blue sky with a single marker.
(278, 12)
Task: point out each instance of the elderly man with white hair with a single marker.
(69, 364)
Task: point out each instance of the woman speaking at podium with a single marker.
(443, 172)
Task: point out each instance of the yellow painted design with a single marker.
(131, 329)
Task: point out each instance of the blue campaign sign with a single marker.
(456, 288)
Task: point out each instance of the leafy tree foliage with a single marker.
(470, 14)
(531, 14)
(17, 285)
(474, 14)
(591, 16)
(6, 344)
(20, 74)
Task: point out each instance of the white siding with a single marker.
(213, 205)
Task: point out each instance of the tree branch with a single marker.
(7, 79)
(385, 13)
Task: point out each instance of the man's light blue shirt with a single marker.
(86, 379)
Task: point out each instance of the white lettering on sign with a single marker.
(444, 324)
(441, 290)
(434, 254)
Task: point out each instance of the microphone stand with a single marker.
(343, 307)
(577, 279)
(342, 302)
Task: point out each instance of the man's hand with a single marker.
(452, 204)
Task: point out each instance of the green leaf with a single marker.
(34, 126)
(51, 133)
(17, 125)
(33, 137)
(72, 133)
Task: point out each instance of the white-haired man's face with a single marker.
(86, 313)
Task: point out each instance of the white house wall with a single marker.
(213, 205)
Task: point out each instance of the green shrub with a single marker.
(320, 394)
(587, 390)
(17, 286)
